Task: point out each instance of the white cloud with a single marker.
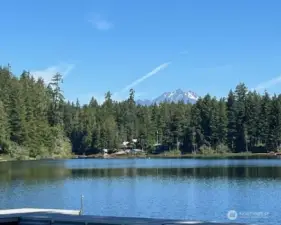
(100, 23)
(47, 73)
(268, 84)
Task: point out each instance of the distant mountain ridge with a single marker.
(174, 96)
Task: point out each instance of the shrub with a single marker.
(18, 152)
(205, 150)
(221, 149)
(4, 146)
(61, 146)
(174, 152)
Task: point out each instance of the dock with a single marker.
(71, 217)
(33, 210)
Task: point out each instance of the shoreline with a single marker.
(225, 155)
(6, 158)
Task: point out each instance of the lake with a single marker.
(193, 189)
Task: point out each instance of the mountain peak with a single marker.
(174, 96)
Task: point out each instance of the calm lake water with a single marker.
(193, 189)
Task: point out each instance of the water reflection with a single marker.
(53, 171)
(226, 172)
(32, 171)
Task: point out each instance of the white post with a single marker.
(81, 207)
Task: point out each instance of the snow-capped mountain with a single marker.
(174, 96)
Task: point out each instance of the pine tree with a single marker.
(214, 123)
(263, 122)
(5, 87)
(241, 137)
(222, 123)
(4, 128)
(205, 114)
(231, 125)
(252, 118)
(273, 139)
(195, 126)
(130, 116)
(154, 131)
(17, 115)
(56, 114)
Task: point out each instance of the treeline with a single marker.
(36, 120)
(31, 116)
(245, 121)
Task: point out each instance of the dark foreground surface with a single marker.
(56, 219)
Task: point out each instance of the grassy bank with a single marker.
(173, 154)
(214, 155)
(5, 157)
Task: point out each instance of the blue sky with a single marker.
(152, 46)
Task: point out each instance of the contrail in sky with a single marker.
(146, 76)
